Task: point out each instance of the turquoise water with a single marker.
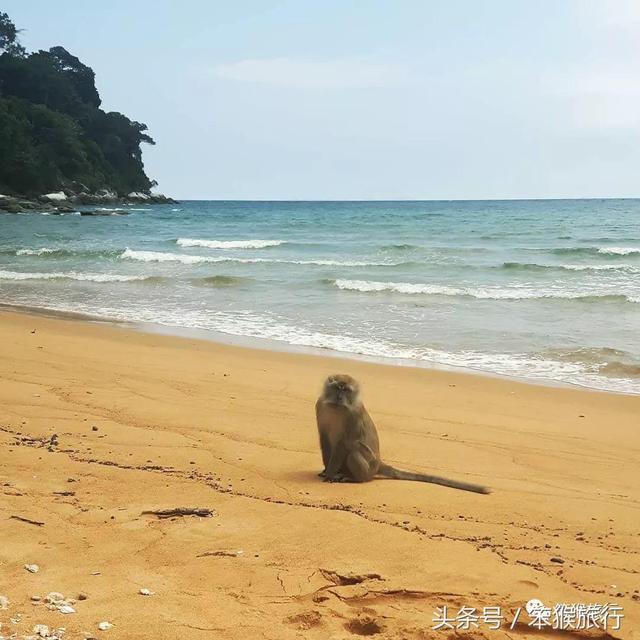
(546, 290)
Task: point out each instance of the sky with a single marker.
(341, 99)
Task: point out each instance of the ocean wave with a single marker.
(73, 275)
(488, 293)
(343, 263)
(220, 281)
(229, 244)
(532, 366)
(163, 256)
(47, 252)
(532, 266)
(619, 251)
(35, 252)
(603, 360)
(610, 252)
(399, 247)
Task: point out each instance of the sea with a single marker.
(541, 290)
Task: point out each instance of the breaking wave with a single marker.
(596, 251)
(603, 360)
(74, 275)
(487, 293)
(619, 251)
(162, 256)
(36, 252)
(532, 266)
(229, 244)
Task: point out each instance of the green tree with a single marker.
(9, 37)
(52, 130)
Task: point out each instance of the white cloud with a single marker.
(617, 14)
(599, 97)
(313, 74)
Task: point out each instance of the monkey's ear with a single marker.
(330, 380)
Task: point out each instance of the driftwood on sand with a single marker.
(180, 511)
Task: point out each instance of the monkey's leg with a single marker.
(359, 467)
(325, 447)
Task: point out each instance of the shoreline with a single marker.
(101, 424)
(278, 346)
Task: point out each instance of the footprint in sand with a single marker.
(364, 625)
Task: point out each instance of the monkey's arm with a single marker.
(325, 447)
(338, 456)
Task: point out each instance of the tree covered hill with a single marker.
(53, 134)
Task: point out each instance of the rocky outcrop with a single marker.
(148, 198)
(105, 212)
(59, 196)
(66, 201)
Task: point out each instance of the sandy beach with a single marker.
(148, 422)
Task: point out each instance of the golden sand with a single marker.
(147, 422)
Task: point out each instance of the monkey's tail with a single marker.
(397, 474)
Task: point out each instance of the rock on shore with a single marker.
(67, 201)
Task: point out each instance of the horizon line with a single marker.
(404, 199)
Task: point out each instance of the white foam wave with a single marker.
(161, 256)
(598, 267)
(68, 275)
(164, 256)
(269, 326)
(367, 286)
(342, 263)
(488, 293)
(619, 251)
(34, 252)
(228, 244)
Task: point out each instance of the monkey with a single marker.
(349, 440)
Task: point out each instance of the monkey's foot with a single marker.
(338, 478)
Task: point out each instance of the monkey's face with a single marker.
(341, 389)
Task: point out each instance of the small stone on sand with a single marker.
(146, 592)
(66, 608)
(32, 568)
(4, 602)
(54, 596)
(104, 626)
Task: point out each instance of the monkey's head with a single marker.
(341, 389)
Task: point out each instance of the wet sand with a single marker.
(149, 422)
